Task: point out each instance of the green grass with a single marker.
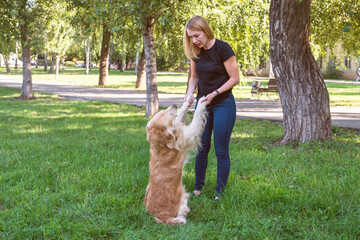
(78, 170)
(341, 94)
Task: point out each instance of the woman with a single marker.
(214, 72)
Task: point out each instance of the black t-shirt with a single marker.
(211, 71)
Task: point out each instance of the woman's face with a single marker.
(199, 38)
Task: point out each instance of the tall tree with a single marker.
(152, 101)
(109, 16)
(25, 14)
(148, 13)
(303, 93)
(27, 88)
(7, 42)
(60, 32)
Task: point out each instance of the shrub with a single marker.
(332, 72)
(69, 64)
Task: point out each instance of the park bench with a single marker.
(258, 89)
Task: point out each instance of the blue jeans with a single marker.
(220, 119)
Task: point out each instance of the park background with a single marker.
(77, 169)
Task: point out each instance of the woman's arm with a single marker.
(233, 71)
(193, 82)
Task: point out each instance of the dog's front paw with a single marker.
(201, 104)
(200, 108)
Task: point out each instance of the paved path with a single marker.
(246, 108)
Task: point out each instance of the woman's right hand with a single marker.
(189, 98)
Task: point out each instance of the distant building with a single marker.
(11, 60)
(344, 64)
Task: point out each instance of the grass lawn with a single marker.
(79, 169)
(340, 94)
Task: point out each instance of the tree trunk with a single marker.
(52, 63)
(271, 72)
(37, 53)
(27, 87)
(63, 62)
(57, 67)
(87, 53)
(45, 55)
(123, 65)
(110, 55)
(37, 59)
(137, 57)
(90, 57)
(123, 57)
(304, 96)
(105, 49)
(7, 65)
(16, 55)
(140, 80)
(152, 101)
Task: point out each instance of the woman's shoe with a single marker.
(196, 193)
(217, 197)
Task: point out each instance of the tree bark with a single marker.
(152, 101)
(51, 71)
(7, 65)
(57, 67)
(110, 55)
(140, 79)
(87, 53)
(16, 55)
(37, 52)
(104, 61)
(137, 57)
(303, 93)
(123, 58)
(27, 87)
(37, 59)
(123, 65)
(45, 55)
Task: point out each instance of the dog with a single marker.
(170, 142)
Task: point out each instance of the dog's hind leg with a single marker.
(178, 220)
(172, 221)
(183, 208)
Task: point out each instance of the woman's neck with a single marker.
(209, 44)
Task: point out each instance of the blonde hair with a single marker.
(196, 23)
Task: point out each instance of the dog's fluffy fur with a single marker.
(170, 141)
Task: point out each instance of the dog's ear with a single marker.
(171, 138)
(148, 130)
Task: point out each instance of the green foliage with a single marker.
(69, 64)
(243, 24)
(60, 32)
(332, 71)
(333, 22)
(79, 170)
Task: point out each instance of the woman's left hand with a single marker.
(209, 98)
